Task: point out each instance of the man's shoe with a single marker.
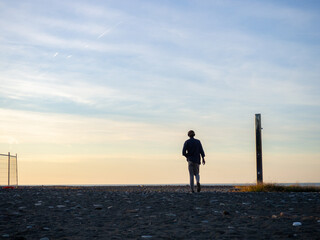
(198, 187)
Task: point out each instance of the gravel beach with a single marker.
(156, 212)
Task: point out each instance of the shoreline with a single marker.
(170, 185)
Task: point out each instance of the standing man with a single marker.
(192, 149)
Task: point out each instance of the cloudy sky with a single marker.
(104, 92)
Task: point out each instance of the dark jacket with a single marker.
(192, 149)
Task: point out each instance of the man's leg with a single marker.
(190, 167)
(196, 172)
(198, 178)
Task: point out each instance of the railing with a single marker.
(8, 169)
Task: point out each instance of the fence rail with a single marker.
(9, 169)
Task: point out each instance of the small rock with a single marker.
(296, 224)
(20, 238)
(5, 235)
(14, 213)
(29, 227)
(225, 213)
(132, 210)
(146, 236)
(97, 206)
(46, 228)
(171, 215)
(282, 214)
(61, 206)
(44, 238)
(205, 221)
(318, 221)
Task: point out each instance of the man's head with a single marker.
(191, 134)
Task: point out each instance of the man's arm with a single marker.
(202, 154)
(184, 150)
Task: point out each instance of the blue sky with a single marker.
(128, 79)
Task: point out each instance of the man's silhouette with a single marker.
(192, 150)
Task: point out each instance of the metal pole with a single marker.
(259, 149)
(8, 168)
(17, 168)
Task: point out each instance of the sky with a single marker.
(104, 92)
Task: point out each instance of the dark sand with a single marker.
(160, 212)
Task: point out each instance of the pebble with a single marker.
(282, 214)
(61, 206)
(318, 221)
(5, 235)
(132, 210)
(44, 238)
(97, 206)
(146, 236)
(171, 215)
(296, 224)
(225, 213)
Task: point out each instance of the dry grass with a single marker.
(271, 187)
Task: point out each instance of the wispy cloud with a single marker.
(108, 30)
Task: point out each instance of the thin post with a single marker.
(17, 169)
(8, 168)
(259, 149)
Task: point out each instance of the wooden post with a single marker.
(8, 168)
(16, 169)
(259, 149)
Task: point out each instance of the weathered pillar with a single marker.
(259, 149)
(8, 168)
(16, 169)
